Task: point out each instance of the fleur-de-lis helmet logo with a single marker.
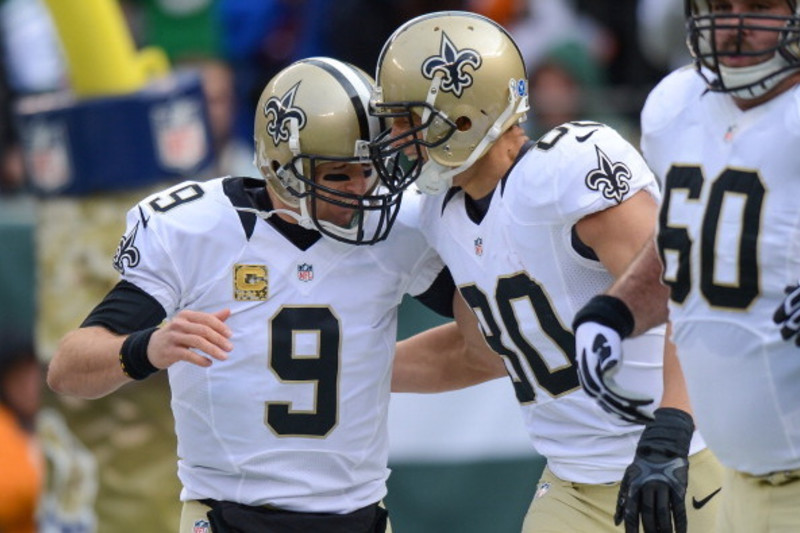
(609, 178)
(452, 62)
(282, 110)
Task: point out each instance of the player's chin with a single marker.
(341, 216)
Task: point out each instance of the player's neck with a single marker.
(482, 177)
(277, 203)
(477, 182)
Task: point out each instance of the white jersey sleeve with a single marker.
(660, 110)
(577, 169)
(407, 230)
(150, 254)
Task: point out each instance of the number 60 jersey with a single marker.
(730, 241)
(296, 417)
(520, 268)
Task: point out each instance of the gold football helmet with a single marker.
(750, 82)
(460, 78)
(314, 111)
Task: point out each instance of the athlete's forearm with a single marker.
(86, 363)
(641, 289)
(675, 394)
(439, 360)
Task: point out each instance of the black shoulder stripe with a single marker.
(449, 196)
(439, 296)
(235, 191)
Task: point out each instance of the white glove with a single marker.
(598, 349)
(787, 315)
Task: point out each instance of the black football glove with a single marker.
(787, 315)
(653, 488)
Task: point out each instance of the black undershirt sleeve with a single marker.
(439, 296)
(125, 309)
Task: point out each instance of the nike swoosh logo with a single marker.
(584, 138)
(698, 504)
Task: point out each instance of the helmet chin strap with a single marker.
(435, 178)
(745, 76)
(303, 222)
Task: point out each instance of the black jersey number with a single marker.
(183, 195)
(551, 138)
(521, 288)
(674, 238)
(320, 369)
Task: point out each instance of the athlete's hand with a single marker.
(654, 486)
(599, 352)
(178, 339)
(787, 315)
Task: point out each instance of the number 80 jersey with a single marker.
(296, 417)
(519, 269)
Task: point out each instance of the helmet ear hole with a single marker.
(463, 123)
(275, 166)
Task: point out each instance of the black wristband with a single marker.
(669, 433)
(133, 355)
(609, 311)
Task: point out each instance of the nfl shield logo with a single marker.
(479, 246)
(46, 152)
(180, 134)
(305, 272)
(201, 526)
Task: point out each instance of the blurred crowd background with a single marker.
(75, 154)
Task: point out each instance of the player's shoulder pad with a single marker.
(670, 97)
(575, 169)
(793, 114)
(192, 204)
(410, 208)
(565, 155)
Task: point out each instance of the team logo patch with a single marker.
(541, 490)
(479, 246)
(283, 111)
(250, 283)
(452, 62)
(305, 272)
(127, 255)
(201, 526)
(611, 179)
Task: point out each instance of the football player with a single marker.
(722, 137)
(530, 231)
(277, 329)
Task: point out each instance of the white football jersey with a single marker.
(730, 239)
(519, 270)
(296, 417)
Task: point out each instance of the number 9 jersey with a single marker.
(729, 238)
(296, 417)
